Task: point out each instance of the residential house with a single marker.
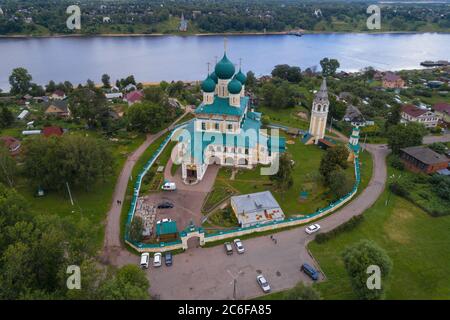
(130, 87)
(58, 95)
(442, 110)
(134, 97)
(114, 95)
(423, 159)
(411, 113)
(392, 81)
(256, 208)
(57, 108)
(11, 143)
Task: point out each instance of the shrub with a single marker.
(397, 163)
(398, 189)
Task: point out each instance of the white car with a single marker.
(239, 246)
(157, 259)
(263, 283)
(169, 186)
(145, 258)
(312, 228)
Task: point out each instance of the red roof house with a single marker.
(133, 97)
(52, 131)
(411, 113)
(443, 111)
(11, 143)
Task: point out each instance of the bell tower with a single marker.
(319, 113)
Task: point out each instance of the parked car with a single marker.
(310, 271)
(145, 258)
(165, 205)
(263, 283)
(312, 228)
(239, 246)
(157, 259)
(169, 186)
(228, 248)
(168, 259)
(163, 220)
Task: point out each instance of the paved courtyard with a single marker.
(208, 273)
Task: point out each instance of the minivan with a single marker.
(157, 259)
(310, 271)
(145, 257)
(228, 248)
(169, 186)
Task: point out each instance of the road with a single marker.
(113, 249)
(208, 273)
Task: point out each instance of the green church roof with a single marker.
(234, 86)
(221, 106)
(224, 68)
(214, 77)
(208, 85)
(241, 77)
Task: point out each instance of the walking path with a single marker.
(113, 246)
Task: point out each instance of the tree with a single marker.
(6, 117)
(36, 90)
(301, 292)
(393, 117)
(156, 95)
(8, 167)
(286, 72)
(130, 283)
(251, 80)
(148, 117)
(106, 81)
(335, 158)
(283, 177)
(136, 228)
(50, 87)
(90, 104)
(337, 108)
(405, 135)
(20, 81)
(329, 66)
(438, 147)
(357, 259)
(79, 161)
(90, 84)
(340, 184)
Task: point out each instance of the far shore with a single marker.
(77, 35)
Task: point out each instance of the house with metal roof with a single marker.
(256, 208)
(226, 129)
(423, 159)
(166, 230)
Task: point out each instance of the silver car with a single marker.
(263, 283)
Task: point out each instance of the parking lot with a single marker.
(194, 275)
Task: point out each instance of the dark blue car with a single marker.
(168, 259)
(310, 271)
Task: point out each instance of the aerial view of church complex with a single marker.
(226, 130)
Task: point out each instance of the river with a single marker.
(155, 58)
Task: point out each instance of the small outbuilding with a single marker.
(256, 208)
(166, 231)
(423, 159)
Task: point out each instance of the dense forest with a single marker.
(44, 17)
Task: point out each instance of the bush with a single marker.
(347, 226)
(398, 189)
(397, 163)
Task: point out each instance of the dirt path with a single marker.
(113, 247)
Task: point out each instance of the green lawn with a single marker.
(288, 117)
(416, 243)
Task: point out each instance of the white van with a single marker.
(157, 259)
(145, 258)
(169, 186)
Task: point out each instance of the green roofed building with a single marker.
(226, 129)
(166, 231)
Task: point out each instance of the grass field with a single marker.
(416, 243)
